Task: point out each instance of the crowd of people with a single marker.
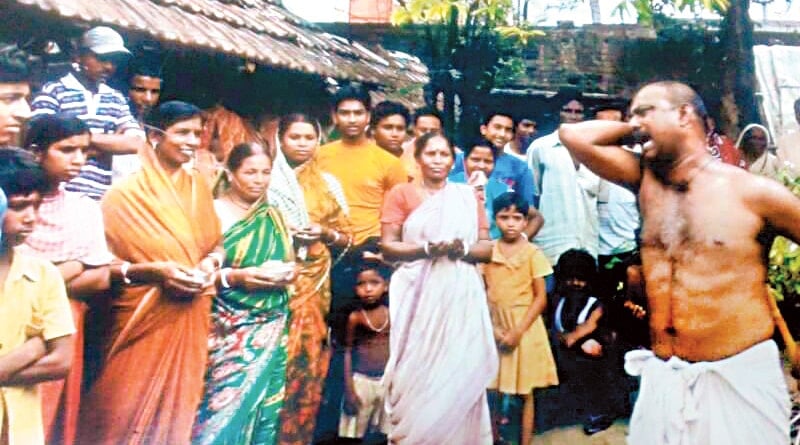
(165, 283)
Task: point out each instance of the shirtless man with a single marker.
(714, 375)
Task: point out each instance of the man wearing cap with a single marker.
(83, 93)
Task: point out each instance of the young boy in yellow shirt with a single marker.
(35, 319)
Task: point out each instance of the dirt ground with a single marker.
(573, 435)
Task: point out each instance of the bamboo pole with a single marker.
(783, 328)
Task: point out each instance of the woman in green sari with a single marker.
(247, 359)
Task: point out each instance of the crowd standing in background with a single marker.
(173, 275)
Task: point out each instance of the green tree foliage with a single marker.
(784, 260)
(472, 44)
(646, 10)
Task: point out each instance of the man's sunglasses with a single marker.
(573, 110)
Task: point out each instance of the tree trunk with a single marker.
(595, 8)
(449, 90)
(739, 104)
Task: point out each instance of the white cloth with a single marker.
(738, 400)
(123, 166)
(286, 194)
(766, 165)
(510, 151)
(337, 191)
(226, 218)
(567, 199)
(372, 414)
(443, 355)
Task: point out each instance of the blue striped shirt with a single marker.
(105, 112)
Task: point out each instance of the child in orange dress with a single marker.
(517, 298)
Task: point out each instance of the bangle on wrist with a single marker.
(123, 268)
(335, 237)
(427, 248)
(524, 235)
(223, 277)
(466, 249)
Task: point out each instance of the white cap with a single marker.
(104, 40)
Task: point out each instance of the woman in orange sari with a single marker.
(161, 224)
(313, 204)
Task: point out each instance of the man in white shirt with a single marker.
(567, 193)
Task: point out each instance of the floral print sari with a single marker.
(247, 345)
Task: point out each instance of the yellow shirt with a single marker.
(33, 301)
(366, 173)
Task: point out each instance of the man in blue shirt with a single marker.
(498, 129)
(478, 164)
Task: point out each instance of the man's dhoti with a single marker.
(738, 400)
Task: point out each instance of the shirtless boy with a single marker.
(366, 354)
(714, 374)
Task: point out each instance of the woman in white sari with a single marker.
(443, 354)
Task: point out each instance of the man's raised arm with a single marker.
(595, 144)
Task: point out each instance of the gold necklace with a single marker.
(369, 323)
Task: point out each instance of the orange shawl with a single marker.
(152, 381)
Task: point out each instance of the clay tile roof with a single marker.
(259, 30)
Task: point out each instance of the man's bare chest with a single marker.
(689, 222)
